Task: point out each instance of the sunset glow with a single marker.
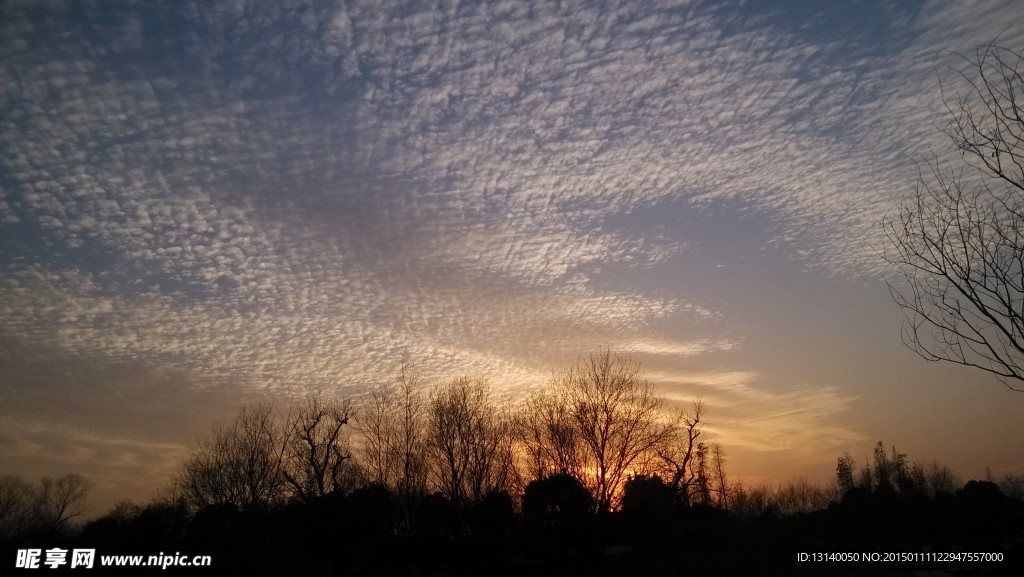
(209, 204)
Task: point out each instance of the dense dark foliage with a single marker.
(554, 529)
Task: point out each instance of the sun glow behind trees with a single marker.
(599, 421)
(594, 463)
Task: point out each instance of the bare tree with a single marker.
(392, 426)
(239, 463)
(469, 441)
(50, 507)
(750, 502)
(800, 496)
(721, 486)
(618, 418)
(392, 447)
(678, 451)
(546, 433)
(60, 500)
(885, 468)
(316, 448)
(375, 422)
(959, 241)
(941, 479)
(700, 489)
(17, 500)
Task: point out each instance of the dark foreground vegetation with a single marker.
(594, 475)
(555, 530)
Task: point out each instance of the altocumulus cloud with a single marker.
(285, 195)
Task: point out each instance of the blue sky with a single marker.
(203, 204)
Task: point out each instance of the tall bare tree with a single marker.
(679, 449)
(721, 484)
(700, 490)
(392, 447)
(618, 418)
(62, 499)
(546, 433)
(469, 441)
(239, 463)
(316, 448)
(392, 424)
(959, 241)
(800, 496)
(17, 499)
(56, 502)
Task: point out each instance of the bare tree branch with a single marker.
(316, 448)
(469, 441)
(239, 463)
(618, 419)
(62, 499)
(959, 241)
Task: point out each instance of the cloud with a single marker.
(275, 196)
(808, 420)
(671, 348)
(359, 155)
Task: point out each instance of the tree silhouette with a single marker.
(392, 423)
(47, 509)
(648, 507)
(392, 426)
(556, 499)
(316, 448)
(469, 441)
(844, 472)
(959, 241)
(548, 436)
(17, 499)
(617, 417)
(558, 512)
(62, 499)
(680, 451)
(239, 463)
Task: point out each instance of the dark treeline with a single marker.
(596, 473)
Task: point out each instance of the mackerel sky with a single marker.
(204, 204)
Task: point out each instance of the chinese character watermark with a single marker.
(56, 557)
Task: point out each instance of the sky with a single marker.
(204, 204)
